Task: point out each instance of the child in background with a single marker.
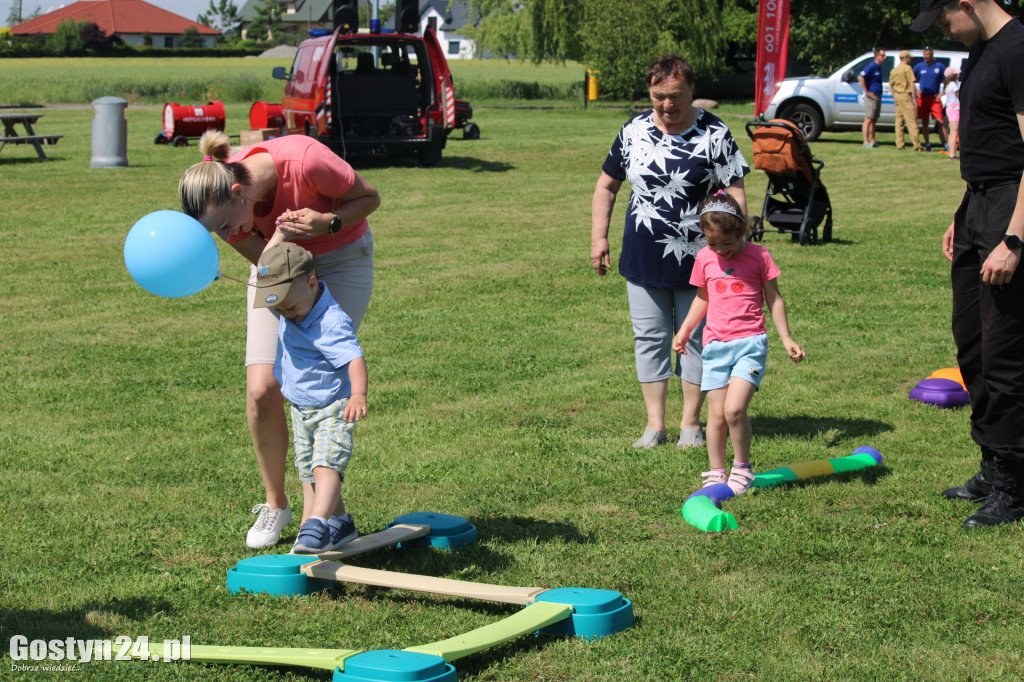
(734, 279)
(953, 108)
(322, 373)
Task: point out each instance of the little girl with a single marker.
(734, 279)
(953, 108)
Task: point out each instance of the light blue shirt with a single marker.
(313, 355)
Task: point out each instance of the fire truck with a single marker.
(374, 93)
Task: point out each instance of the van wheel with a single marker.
(807, 118)
(471, 131)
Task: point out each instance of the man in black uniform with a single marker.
(984, 244)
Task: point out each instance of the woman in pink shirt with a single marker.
(295, 184)
(734, 279)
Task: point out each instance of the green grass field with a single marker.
(502, 389)
(243, 80)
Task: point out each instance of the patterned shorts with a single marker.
(322, 439)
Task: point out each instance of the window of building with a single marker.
(453, 47)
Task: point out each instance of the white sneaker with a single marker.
(266, 532)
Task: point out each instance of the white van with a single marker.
(837, 102)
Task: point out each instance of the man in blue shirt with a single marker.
(871, 80)
(930, 75)
(322, 373)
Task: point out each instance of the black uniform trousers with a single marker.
(988, 328)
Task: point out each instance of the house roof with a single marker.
(113, 17)
(454, 17)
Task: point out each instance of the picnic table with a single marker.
(12, 136)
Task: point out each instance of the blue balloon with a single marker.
(170, 254)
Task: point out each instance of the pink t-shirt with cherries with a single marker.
(735, 291)
(309, 175)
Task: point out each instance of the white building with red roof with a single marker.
(131, 20)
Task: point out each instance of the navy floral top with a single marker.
(670, 175)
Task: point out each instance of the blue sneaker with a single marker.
(343, 530)
(314, 538)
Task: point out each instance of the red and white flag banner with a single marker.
(772, 50)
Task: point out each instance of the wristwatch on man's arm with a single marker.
(1013, 242)
(335, 226)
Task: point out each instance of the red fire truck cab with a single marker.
(374, 93)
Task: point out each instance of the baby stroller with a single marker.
(795, 199)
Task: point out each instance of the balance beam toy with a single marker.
(531, 619)
(328, 570)
(703, 509)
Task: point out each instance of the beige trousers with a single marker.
(906, 114)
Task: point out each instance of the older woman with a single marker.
(674, 156)
(299, 186)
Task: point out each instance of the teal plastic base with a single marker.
(596, 613)
(278, 574)
(446, 531)
(391, 665)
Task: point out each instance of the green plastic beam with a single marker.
(534, 617)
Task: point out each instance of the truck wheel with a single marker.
(471, 131)
(807, 118)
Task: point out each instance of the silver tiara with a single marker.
(719, 207)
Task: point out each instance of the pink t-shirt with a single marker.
(735, 291)
(309, 175)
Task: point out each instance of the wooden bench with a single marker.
(36, 141)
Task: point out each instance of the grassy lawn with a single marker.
(502, 389)
(155, 80)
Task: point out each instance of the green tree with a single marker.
(622, 39)
(93, 38)
(190, 38)
(67, 39)
(267, 27)
(385, 12)
(503, 34)
(223, 16)
(17, 16)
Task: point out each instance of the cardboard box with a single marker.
(248, 137)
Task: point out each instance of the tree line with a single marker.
(620, 38)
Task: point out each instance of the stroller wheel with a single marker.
(826, 232)
(808, 235)
(756, 231)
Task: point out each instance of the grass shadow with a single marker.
(469, 163)
(836, 429)
(76, 623)
(464, 163)
(519, 528)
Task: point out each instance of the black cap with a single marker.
(929, 11)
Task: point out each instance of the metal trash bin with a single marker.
(109, 133)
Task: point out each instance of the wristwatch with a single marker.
(1012, 241)
(335, 227)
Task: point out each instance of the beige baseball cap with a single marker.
(278, 267)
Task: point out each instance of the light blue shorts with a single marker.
(741, 358)
(322, 439)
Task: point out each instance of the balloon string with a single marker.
(221, 274)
